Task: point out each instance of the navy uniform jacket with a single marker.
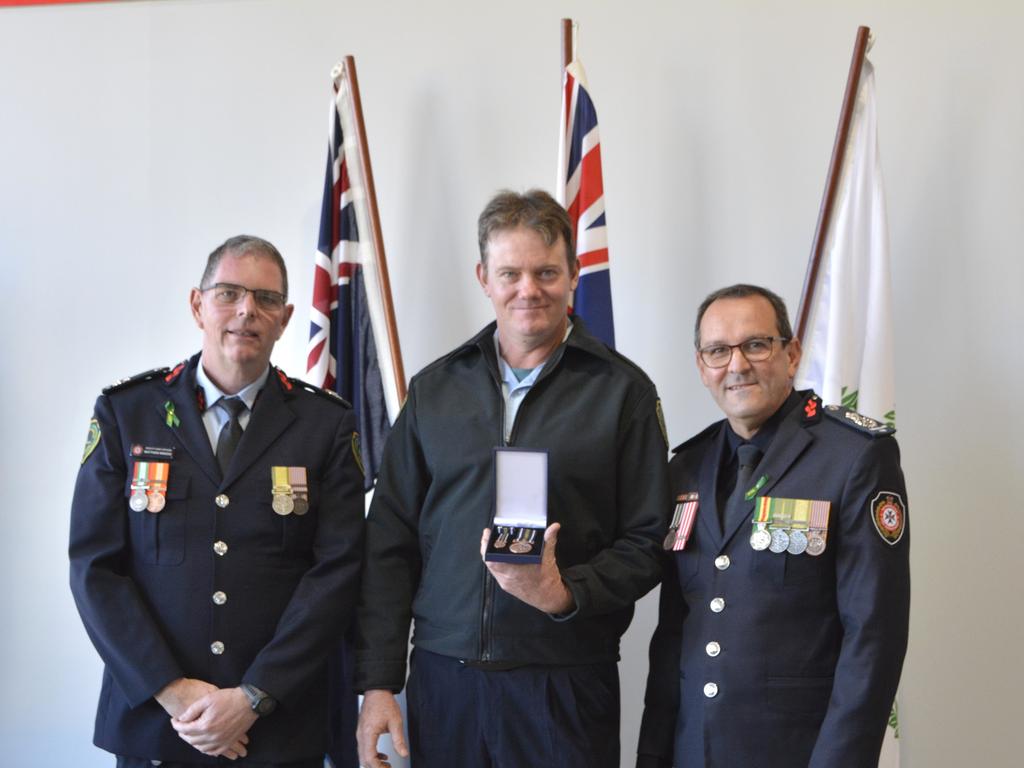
(145, 582)
(810, 649)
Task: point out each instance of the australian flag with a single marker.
(346, 329)
(346, 332)
(580, 188)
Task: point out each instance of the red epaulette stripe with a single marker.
(285, 382)
(175, 373)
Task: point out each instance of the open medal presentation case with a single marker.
(520, 506)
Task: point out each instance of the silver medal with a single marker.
(760, 539)
(139, 501)
(815, 544)
(780, 541)
(797, 543)
(283, 504)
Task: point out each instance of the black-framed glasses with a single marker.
(755, 349)
(229, 294)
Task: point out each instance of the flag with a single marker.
(347, 330)
(349, 350)
(580, 188)
(848, 348)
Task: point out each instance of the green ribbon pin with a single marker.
(757, 487)
(172, 417)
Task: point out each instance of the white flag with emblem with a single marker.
(848, 347)
(848, 350)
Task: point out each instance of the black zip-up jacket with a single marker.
(599, 418)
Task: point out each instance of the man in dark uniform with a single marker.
(216, 539)
(785, 603)
(514, 664)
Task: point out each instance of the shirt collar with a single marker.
(212, 393)
(508, 375)
(764, 436)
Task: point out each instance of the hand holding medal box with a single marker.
(520, 506)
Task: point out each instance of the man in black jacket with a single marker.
(513, 665)
(785, 603)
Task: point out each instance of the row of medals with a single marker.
(287, 501)
(779, 540)
(144, 497)
(522, 543)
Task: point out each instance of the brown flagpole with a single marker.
(566, 43)
(832, 180)
(378, 237)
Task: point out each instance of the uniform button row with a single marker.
(722, 562)
(713, 649)
(711, 690)
(717, 605)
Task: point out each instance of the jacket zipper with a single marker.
(488, 609)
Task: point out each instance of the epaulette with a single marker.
(698, 437)
(289, 383)
(859, 421)
(136, 379)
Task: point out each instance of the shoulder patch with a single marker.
(357, 451)
(858, 421)
(661, 420)
(889, 515)
(137, 379)
(92, 439)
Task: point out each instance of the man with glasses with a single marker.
(216, 539)
(785, 603)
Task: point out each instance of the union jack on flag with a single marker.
(349, 350)
(580, 188)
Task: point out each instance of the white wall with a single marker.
(136, 136)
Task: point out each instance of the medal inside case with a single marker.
(520, 506)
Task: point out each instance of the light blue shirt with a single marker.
(514, 390)
(215, 417)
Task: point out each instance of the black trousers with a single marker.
(462, 716)
(137, 762)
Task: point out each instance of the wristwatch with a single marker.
(262, 703)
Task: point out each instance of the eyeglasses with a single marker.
(754, 349)
(229, 294)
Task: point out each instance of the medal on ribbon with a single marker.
(781, 513)
(282, 496)
(157, 491)
(817, 534)
(300, 489)
(760, 539)
(798, 527)
(682, 522)
(140, 484)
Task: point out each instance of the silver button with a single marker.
(156, 762)
(711, 690)
(217, 648)
(718, 605)
(722, 562)
(220, 548)
(222, 500)
(713, 648)
(219, 597)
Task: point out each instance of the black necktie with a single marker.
(748, 456)
(231, 432)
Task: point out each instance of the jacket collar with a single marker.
(271, 415)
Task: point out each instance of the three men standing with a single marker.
(513, 665)
(784, 610)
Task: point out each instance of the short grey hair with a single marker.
(243, 245)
